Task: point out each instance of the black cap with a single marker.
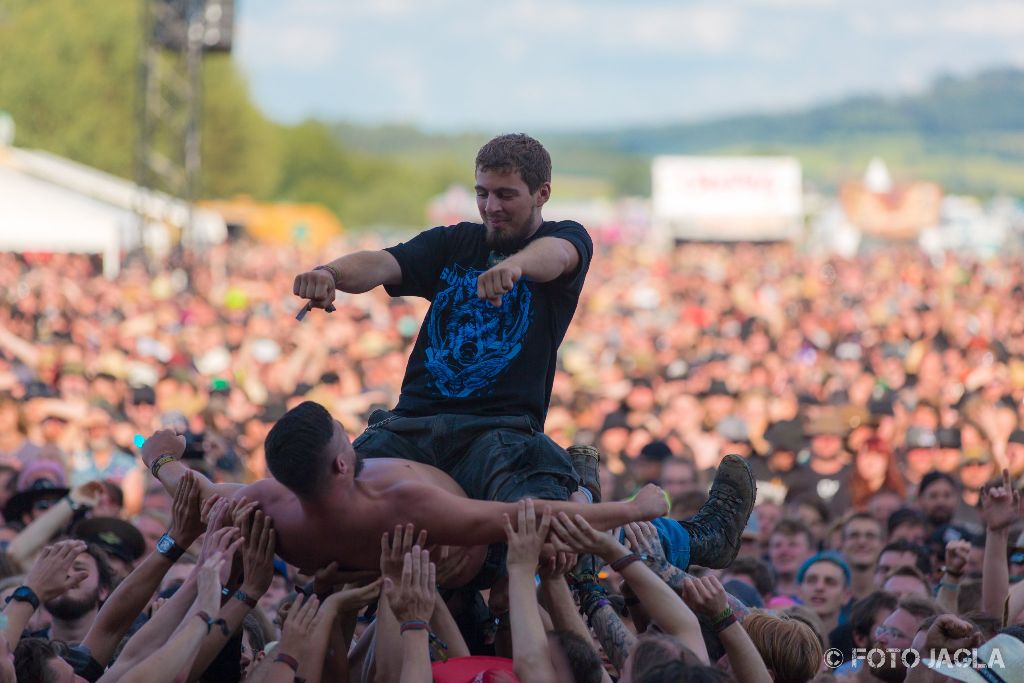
(116, 536)
(614, 420)
(144, 395)
(657, 451)
(718, 388)
(949, 437)
(932, 477)
(787, 435)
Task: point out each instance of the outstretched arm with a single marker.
(166, 443)
(355, 273)
(452, 520)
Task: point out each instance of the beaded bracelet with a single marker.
(725, 623)
(721, 616)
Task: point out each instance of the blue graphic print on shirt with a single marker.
(470, 341)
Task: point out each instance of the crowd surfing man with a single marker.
(502, 293)
(329, 504)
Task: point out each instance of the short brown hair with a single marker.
(788, 526)
(789, 647)
(520, 153)
(911, 571)
(922, 608)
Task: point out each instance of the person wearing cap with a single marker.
(782, 464)
(502, 295)
(647, 466)
(948, 455)
(101, 459)
(937, 498)
(121, 543)
(830, 463)
(823, 584)
(40, 485)
(920, 449)
(976, 470)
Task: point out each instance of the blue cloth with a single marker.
(675, 541)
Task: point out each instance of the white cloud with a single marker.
(304, 47)
(992, 18)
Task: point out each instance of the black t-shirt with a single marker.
(474, 358)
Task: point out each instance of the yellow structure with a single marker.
(279, 223)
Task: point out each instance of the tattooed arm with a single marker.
(615, 638)
(643, 538)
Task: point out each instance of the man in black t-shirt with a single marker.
(502, 293)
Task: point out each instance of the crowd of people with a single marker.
(877, 401)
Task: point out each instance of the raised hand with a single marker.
(354, 597)
(956, 555)
(643, 538)
(527, 539)
(90, 493)
(413, 596)
(51, 575)
(258, 554)
(162, 442)
(651, 502)
(328, 579)
(952, 633)
(299, 623)
(1000, 505)
(186, 519)
(705, 596)
(209, 584)
(316, 285)
(450, 564)
(394, 549)
(576, 535)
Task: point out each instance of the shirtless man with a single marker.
(328, 504)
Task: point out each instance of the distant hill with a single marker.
(966, 133)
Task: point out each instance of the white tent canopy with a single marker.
(51, 204)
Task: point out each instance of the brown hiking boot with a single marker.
(716, 529)
(586, 460)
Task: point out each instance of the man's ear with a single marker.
(338, 465)
(543, 194)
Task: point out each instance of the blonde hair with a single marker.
(789, 647)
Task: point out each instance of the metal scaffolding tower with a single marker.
(175, 35)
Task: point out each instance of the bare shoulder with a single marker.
(263, 491)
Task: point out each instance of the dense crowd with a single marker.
(878, 401)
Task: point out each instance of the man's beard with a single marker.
(504, 242)
(940, 517)
(360, 461)
(886, 671)
(68, 609)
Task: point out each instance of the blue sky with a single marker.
(585, 64)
